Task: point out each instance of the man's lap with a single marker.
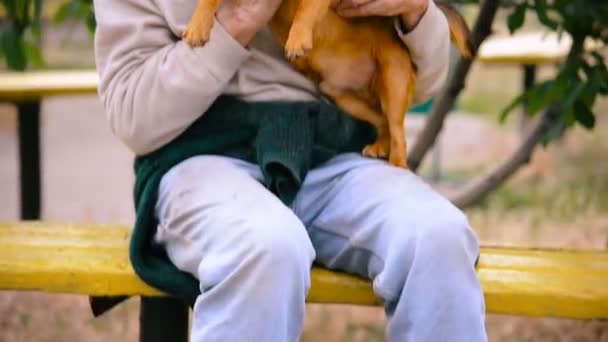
(359, 213)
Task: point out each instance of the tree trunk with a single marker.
(443, 104)
(495, 177)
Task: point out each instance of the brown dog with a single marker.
(327, 49)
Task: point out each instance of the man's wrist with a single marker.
(408, 21)
(240, 30)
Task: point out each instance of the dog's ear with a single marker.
(459, 30)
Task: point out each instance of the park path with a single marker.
(87, 173)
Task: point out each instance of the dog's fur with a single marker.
(361, 64)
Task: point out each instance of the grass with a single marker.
(566, 201)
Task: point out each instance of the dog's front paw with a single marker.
(398, 157)
(398, 161)
(197, 33)
(379, 149)
(298, 45)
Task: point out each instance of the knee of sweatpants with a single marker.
(274, 248)
(449, 238)
(283, 246)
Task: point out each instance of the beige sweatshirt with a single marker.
(153, 85)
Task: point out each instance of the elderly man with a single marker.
(221, 212)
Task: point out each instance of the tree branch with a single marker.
(493, 179)
(445, 101)
(489, 182)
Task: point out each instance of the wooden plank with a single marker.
(536, 48)
(93, 259)
(524, 48)
(556, 283)
(29, 85)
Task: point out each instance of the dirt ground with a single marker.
(559, 200)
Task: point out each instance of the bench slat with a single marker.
(536, 47)
(93, 260)
(37, 84)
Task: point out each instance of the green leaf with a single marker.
(588, 94)
(599, 78)
(11, 44)
(82, 10)
(11, 9)
(539, 97)
(516, 19)
(583, 115)
(536, 98)
(36, 28)
(22, 12)
(545, 94)
(555, 132)
(599, 58)
(568, 116)
(33, 54)
(573, 95)
(505, 112)
(543, 17)
(63, 12)
(37, 9)
(91, 23)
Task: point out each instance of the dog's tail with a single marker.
(459, 30)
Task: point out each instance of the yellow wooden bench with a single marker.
(34, 85)
(534, 48)
(92, 259)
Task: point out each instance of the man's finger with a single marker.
(373, 7)
(344, 4)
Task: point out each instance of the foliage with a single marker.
(20, 30)
(76, 9)
(583, 76)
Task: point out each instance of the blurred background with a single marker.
(560, 199)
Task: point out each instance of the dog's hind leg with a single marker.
(360, 110)
(199, 28)
(308, 13)
(395, 88)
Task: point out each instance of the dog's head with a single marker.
(459, 30)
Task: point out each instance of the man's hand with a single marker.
(410, 11)
(244, 18)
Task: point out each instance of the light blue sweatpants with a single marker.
(253, 255)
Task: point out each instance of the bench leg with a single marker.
(163, 320)
(29, 158)
(529, 79)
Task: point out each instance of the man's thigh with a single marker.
(215, 208)
(363, 215)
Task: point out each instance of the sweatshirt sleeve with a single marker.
(152, 84)
(429, 45)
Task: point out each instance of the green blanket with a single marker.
(285, 139)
